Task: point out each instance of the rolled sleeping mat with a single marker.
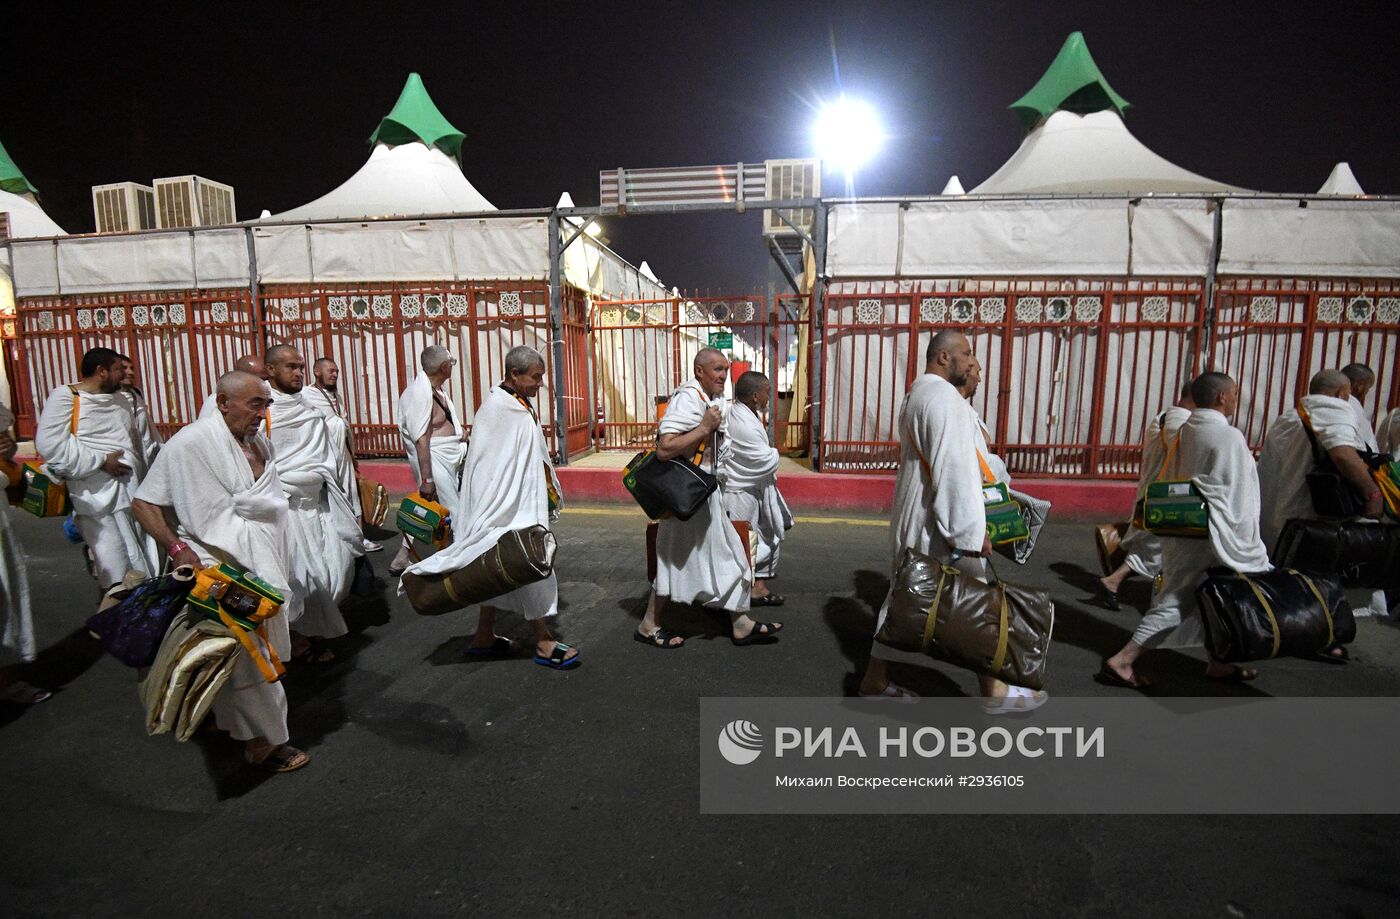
(520, 557)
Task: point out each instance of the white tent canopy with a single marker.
(954, 186)
(27, 218)
(1071, 153)
(409, 180)
(1341, 182)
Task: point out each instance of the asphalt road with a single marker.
(443, 786)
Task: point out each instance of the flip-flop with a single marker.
(1237, 674)
(892, 690)
(768, 600)
(556, 659)
(1017, 699)
(501, 647)
(315, 653)
(1327, 657)
(763, 633)
(22, 693)
(283, 759)
(1107, 676)
(1109, 598)
(661, 638)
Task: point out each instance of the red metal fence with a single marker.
(645, 348)
(1072, 367)
(182, 341)
(1273, 334)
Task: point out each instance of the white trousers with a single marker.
(118, 545)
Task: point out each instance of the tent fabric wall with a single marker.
(971, 237)
(968, 237)
(1306, 238)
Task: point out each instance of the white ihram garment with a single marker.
(323, 523)
(1216, 458)
(1388, 434)
(505, 487)
(101, 503)
(750, 486)
(329, 407)
(1287, 458)
(701, 560)
(16, 615)
(938, 489)
(1363, 424)
(225, 515)
(1143, 550)
(446, 452)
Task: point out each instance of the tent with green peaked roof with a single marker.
(1073, 83)
(415, 117)
(414, 169)
(11, 179)
(1078, 143)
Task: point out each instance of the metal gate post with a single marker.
(254, 310)
(556, 343)
(817, 304)
(1208, 320)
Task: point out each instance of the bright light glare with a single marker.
(848, 134)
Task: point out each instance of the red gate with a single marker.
(645, 348)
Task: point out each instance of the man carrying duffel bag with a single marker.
(1215, 457)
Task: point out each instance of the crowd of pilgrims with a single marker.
(265, 480)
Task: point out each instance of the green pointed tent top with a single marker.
(1073, 83)
(416, 118)
(11, 179)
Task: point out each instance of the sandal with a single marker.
(769, 599)
(22, 693)
(283, 759)
(1337, 654)
(661, 638)
(1109, 599)
(501, 647)
(1017, 699)
(558, 658)
(762, 633)
(315, 653)
(1107, 676)
(892, 690)
(1237, 674)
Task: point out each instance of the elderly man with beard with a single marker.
(508, 484)
(213, 497)
(324, 396)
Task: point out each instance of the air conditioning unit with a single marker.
(123, 206)
(787, 179)
(191, 201)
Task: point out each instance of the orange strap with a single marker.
(1171, 454)
(270, 665)
(73, 422)
(987, 477)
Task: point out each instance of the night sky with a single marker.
(278, 99)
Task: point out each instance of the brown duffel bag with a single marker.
(997, 629)
(520, 557)
(374, 501)
(1108, 540)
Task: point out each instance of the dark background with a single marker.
(279, 99)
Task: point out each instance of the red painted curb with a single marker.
(1073, 499)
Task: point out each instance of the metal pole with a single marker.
(1208, 320)
(556, 343)
(818, 308)
(254, 307)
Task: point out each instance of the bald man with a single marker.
(938, 509)
(323, 522)
(1288, 454)
(251, 364)
(1362, 379)
(1215, 456)
(701, 560)
(216, 479)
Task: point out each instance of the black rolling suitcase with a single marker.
(1356, 554)
(1280, 613)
